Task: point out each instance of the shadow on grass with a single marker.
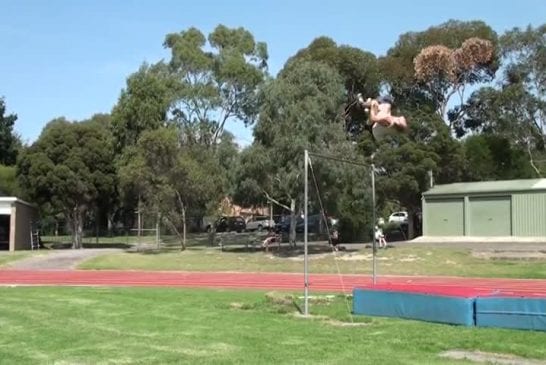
(286, 251)
(152, 251)
(67, 245)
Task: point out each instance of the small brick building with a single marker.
(16, 218)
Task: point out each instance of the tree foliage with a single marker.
(444, 71)
(69, 168)
(399, 72)
(447, 58)
(300, 111)
(8, 181)
(173, 180)
(358, 69)
(515, 110)
(494, 157)
(171, 152)
(524, 52)
(9, 142)
(143, 105)
(216, 81)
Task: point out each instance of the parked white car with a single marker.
(399, 217)
(259, 223)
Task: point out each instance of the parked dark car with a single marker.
(283, 224)
(228, 224)
(315, 224)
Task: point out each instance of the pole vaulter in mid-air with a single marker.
(382, 122)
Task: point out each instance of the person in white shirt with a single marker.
(380, 237)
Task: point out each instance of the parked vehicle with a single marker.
(315, 224)
(283, 224)
(259, 223)
(228, 224)
(399, 217)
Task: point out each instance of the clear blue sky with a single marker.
(71, 57)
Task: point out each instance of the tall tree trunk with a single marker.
(139, 218)
(77, 227)
(183, 226)
(110, 218)
(158, 230)
(73, 228)
(79, 235)
(97, 225)
(411, 230)
(292, 236)
(537, 171)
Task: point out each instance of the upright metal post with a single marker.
(374, 224)
(305, 204)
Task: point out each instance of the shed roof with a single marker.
(12, 199)
(488, 187)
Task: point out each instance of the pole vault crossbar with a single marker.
(339, 159)
(306, 204)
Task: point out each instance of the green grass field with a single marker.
(7, 257)
(163, 326)
(394, 261)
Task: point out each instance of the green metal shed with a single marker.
(489, 208)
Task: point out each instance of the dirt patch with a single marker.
(355, 257)
(310, 316)
(489, 358)
(310, 257)
(360, 257)
(330, 321)
(410, 258)
(279, 298)
(236, 305)
(242, 306)
(337, 323)
(59, 259)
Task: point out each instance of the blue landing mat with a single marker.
(511, 312)
(432, 308)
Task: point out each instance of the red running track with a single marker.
(270, 281)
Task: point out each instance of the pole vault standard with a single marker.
(305, 233)
(306, 161)
(374, 239)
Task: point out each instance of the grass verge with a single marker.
(7, 257)
(394, 261)
(163, 326)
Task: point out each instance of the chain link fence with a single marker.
(159, 235)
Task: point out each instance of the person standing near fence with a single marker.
(380, 237)
(334, 238)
